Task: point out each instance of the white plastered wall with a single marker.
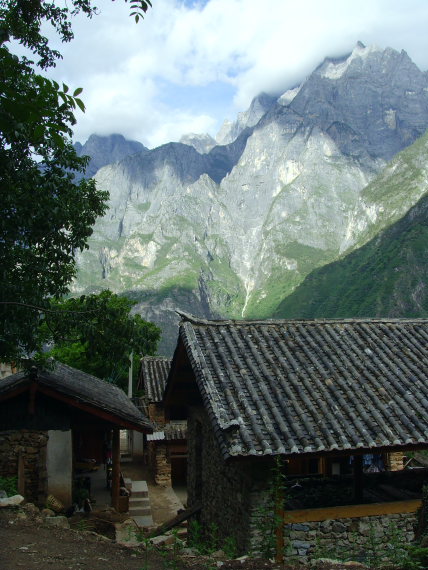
(59, 463)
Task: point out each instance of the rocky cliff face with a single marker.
(233, 231)
(106, 150)
(387, 276)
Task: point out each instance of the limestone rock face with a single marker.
(259, 106)
(202, 143)
(232, 231)
(106, 150)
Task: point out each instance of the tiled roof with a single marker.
(81, 388)
(291, 387)
(153, 376)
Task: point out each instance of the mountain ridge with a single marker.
(239, 227)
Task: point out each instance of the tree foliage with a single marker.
(97, 333)
(44, 216)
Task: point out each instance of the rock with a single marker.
(338, 527)
(300, 527)
(301, 544)
(11, 501)
(218, 554)
(162, 540)
(31, 509)
(47, 513)
(189, 551)
(61, 522)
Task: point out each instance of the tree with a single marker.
(44, 216)
(97, 333)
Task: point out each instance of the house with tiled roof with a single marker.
(55, 419)
(167, 445)
(333, 402)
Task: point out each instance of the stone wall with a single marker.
(31, 446)
(236, 500)
(338, 538)
(350, 537)
(223, 490)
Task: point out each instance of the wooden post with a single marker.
(358, 478)
(115, 482)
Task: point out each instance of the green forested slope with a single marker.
(387, 277)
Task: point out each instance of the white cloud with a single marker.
(254, 46)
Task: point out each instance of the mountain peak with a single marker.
(203, 143)
(334, 68)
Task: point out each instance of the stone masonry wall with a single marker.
(224, 491)
(338, 538)
(349, 537)
(32, 447)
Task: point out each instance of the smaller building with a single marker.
(315, 399)
(167, 445)
(52, 421)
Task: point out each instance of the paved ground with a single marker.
(164, 501)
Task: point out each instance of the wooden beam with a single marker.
(115, 482)
(352, 511)
(184, 515)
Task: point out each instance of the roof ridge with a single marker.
(187, 317)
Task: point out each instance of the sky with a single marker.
(189, 65)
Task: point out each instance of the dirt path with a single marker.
(29, 543)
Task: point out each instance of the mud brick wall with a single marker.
(395, 461)
(157, 414)
(31, 445)
(159, 463)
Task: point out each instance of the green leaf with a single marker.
(81, 105)
(59, 141)
(65, 88)
(77, 91)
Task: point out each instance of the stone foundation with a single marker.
(31, 447)
(340, 538)
(345, 538)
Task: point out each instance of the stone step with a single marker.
(139, 501)
(139, 511)
(139, 489)
(144, 521)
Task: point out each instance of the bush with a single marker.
(9, 485)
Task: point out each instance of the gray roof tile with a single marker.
(285, 387)
(153, 375)
(84, 388)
